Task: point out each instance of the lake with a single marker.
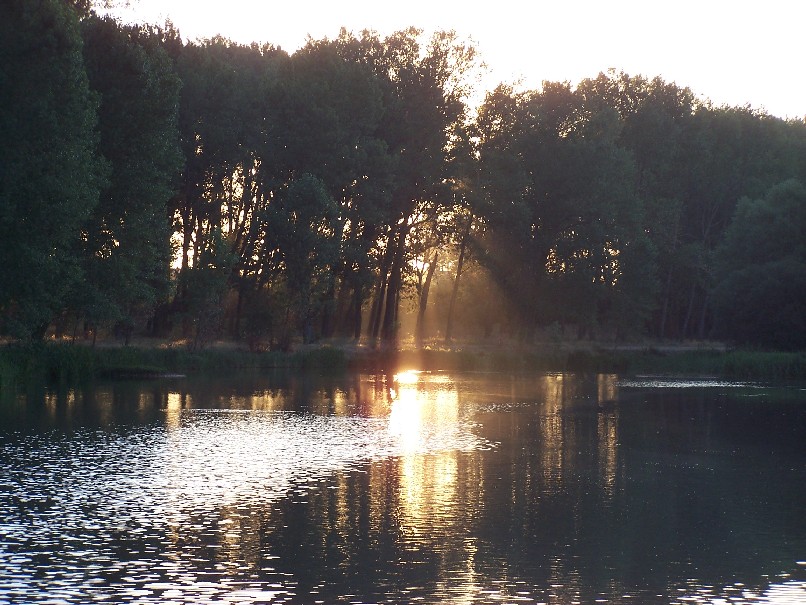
(412, 487)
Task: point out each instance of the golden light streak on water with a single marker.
(429, 497)
(173, 409)
(607, 431)
(427, 482)
(551, 432)
(205, 506)
(607, 387)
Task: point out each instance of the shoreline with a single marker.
(67, 363)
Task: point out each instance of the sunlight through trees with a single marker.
(207, 189)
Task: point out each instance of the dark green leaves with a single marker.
(50, 174)
(760, 298)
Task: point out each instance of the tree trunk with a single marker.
(380, 299)
(378, 305)
(455, 291)
(703, 316)
(187, 237)
(390, 316)
(236, 328)
(423, 302)
(358, 302)
(342, 316)
(665, 308)
(328, 312)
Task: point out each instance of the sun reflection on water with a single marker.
(203, 503)
(431, 504)
(607, 431)
(427, 475)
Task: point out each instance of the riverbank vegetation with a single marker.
(206, 190)
(67, 364)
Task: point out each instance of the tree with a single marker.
(560, 206)
(656, 117)
(300, 250)
(424, 90)
(725, 153)
(760, 298)
(50, 174)
(127, 245)
(207, 282)
(328, 112)
(232, 162)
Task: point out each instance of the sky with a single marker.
(737, 52)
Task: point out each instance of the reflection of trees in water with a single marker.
(583, 499)
(402, 524)
(557, 469)
(463, 519)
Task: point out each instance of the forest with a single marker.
(359, 189)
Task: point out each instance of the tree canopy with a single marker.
(210, 189)
(50, 172)
(760, 295)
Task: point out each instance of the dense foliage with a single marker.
(50, 172)
(209, 189)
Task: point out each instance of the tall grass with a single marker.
(69, 364)
(20, 364)
(740, 364)
(324, 359)
(731, 364)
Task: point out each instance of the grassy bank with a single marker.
(758, 365)
(65, 363)
(737, 364)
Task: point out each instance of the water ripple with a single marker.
(675, 383)
(96, 513)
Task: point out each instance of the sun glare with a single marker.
(407, 377)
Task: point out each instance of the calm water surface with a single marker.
(405, 488)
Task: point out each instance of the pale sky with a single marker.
(733, 52)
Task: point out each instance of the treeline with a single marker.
(210, 189)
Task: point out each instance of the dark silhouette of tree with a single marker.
(50, 174)
(760, 298)
(424, 88)
(127, 240)
(561, 210)
(308, 195)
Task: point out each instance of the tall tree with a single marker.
(424, 90)
(760, 298)
(328, 115)
(231, 166)
(561, 209)
(300, 249)
(50, 174)
(656, 118)
(729, 153)
(127, 241)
